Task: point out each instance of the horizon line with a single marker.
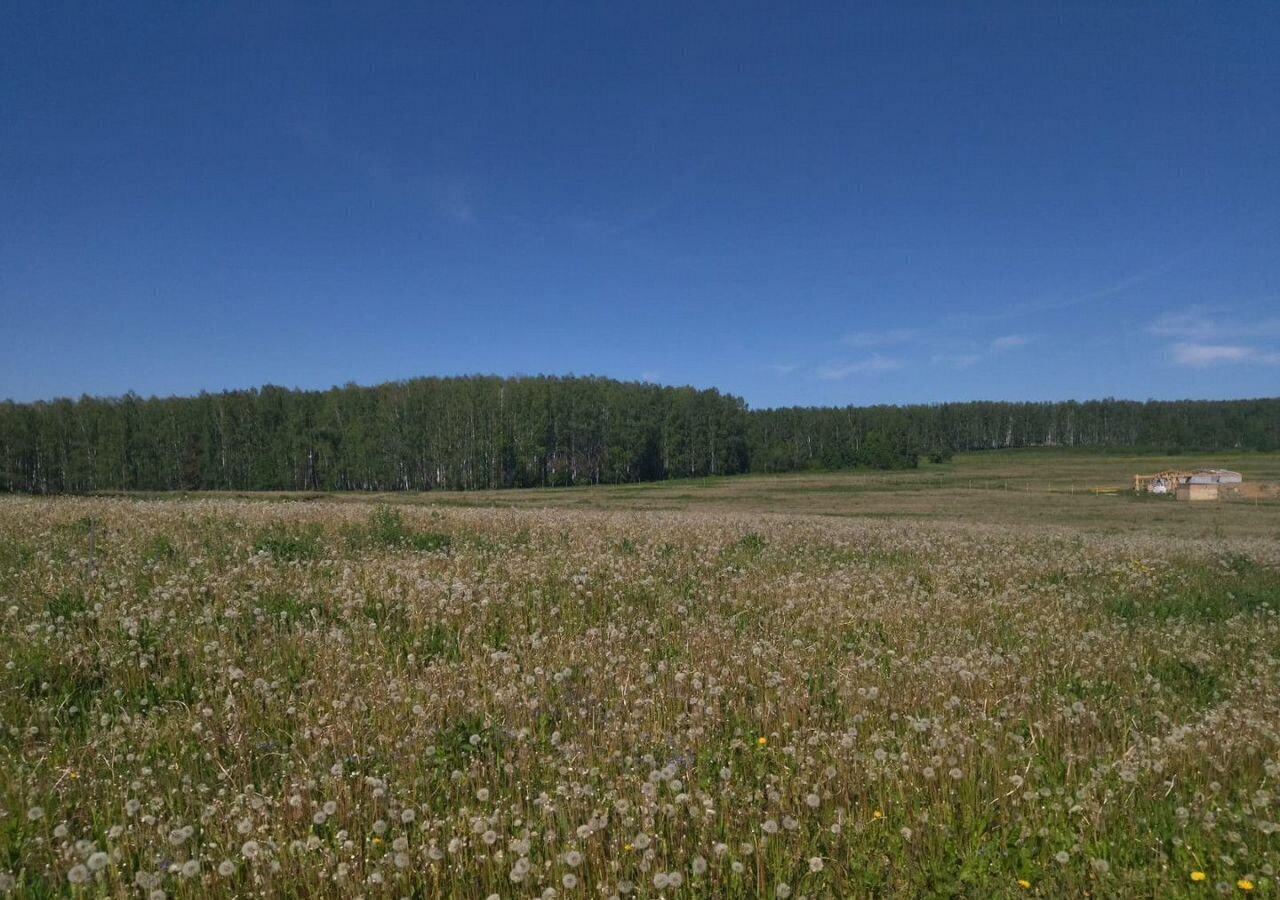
(570, 376)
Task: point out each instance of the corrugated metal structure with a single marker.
(1170, 481)
(1215, 476)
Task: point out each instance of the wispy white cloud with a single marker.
(956, 360)
(449, 196)
(1206, 323)
(969, 354)
(950, 350)
(1208, 336)
(872, 364)
(880, 338)
(1193, 322)
(1010, 341)
(1201, 355)
(1024, 308)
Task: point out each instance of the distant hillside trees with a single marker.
(783, 440)
(786, 440)
(487, 432)
(457, 433)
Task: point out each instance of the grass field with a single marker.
(1050, 489)
(975, 679)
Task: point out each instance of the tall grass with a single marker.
(332, 700)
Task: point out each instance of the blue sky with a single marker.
(797, 203)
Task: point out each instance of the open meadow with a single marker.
(977, 679)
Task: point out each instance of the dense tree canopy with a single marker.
(488, 432)
(786, 439)
(475, 432)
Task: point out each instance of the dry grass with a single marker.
(1038, 489)
(222, 698)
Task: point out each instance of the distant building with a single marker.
(1172, 482)
(1197, 490)
(1214, 476)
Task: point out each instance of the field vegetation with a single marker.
(805, 686)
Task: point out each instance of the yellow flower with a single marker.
(1197, 876)
(1244, 884)
(762, 740)
(628, 847)
(1023, 883)
(877, 815)
(377, 840)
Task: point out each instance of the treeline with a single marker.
(784, 440)
(488, 432)
(428, 433)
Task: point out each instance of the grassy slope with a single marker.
(1067, 682)
(1043, 488)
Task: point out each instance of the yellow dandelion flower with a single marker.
(1024, 884)
(1197, 876)
(877, 815)
(628, 847)
(1244, 884)
(762, 740)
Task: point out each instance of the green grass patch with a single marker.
(387, 530)
(1189, 682)
(291, 544)
(66, 605)
(1202, 592)
(285, 609)
(438, 642)
(160, 548)
(15, 556)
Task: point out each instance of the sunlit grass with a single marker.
(224, 699)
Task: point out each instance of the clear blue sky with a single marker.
(797, 203)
